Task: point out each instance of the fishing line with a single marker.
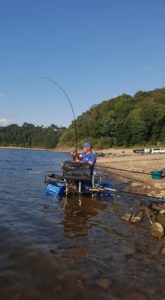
(116, 174)
(41, 165)
(124, 170)
(146, 197)
(70, 103)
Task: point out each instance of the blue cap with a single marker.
(87, 144)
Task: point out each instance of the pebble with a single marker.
(162, 211)
(126, 217)
(158, 206)
(147, 187)
(157, 230)
(161, 194)
(136, 218)
(136, 184)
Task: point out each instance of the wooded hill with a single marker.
(30, 136)
(123, 121)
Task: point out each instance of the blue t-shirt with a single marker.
(86, 157)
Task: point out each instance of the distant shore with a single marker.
(65, 149)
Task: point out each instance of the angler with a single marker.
(87, 156)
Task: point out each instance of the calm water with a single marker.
(70, 249)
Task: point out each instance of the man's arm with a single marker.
(92, 160)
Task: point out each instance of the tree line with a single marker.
(123, 121)
(29, 135)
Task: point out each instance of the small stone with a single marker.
(158, 206)
(136, 184)
(136, 218)
(157, 230)
(152, 194)
(126, 217)
(163, 251)
(161, 194)
(147, 187)
(162, 211)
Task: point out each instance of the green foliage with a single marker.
(123, 121)
(30, 136)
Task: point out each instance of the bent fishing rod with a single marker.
(70, 104)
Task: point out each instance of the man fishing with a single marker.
(87, 156)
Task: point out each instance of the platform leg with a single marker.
(79, 187)
(66, 189)
(93, 181)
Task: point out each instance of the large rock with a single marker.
(157, 230)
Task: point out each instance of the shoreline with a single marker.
(35, 149)
(125, 159)
(118, 151)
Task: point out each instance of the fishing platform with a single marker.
(77, 178)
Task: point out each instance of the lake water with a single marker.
(71, 248)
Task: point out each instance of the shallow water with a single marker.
(71, 248)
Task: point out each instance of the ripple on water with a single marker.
(53, 249)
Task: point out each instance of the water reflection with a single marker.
(77, 214)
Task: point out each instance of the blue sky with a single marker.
(96, 49)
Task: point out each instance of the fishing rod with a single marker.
(30, 171)
(134, 194)
(124, 170)
(146, 197)
(70, 104)
(41, 165)
(108, 172)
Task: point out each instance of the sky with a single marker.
(95, 49)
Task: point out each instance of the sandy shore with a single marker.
(127, 160)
